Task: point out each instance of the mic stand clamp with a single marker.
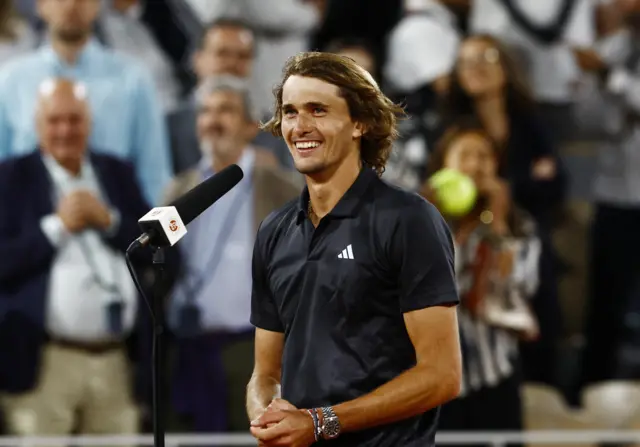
(158, 309)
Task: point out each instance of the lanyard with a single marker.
(208, 272)
(85, 250)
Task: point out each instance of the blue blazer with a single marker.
(26, 258)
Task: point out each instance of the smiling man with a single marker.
(353, 284)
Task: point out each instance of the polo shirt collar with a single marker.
(347, 206)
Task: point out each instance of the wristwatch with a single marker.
(330, 424)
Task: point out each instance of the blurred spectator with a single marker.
(124, 31)
(16, 35)
(609, 104)
(487, 85)
(422, 51)
(68, 305)
(210, 308)
(282, 29)
(543, 33)
(127, 118)
(497, 253)
(227, 47)
(357, 49)
(369, 20)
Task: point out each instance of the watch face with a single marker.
(332, 427)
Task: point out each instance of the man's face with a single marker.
(226, 50)
(69, 20)
(223, 127)
(63, 126)
(317, 125)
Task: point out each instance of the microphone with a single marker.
(163, 226)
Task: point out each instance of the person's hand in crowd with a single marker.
(589, 60)
(285, 428)
(71, 213)
(499, 195)
(544, 169)
(81, 209)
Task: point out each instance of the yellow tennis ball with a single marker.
(455, 192)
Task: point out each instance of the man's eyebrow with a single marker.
(307, 105)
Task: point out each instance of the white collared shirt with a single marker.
(76, 304)
(552, 69)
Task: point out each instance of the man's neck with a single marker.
(326, 189)
(68, 51)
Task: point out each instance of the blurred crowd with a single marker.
(111, 107)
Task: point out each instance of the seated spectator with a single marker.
(16, 35)
(67, 303)
(227, 47)
(127, 119)
(487, 85)
(497, 272)
(211, 303)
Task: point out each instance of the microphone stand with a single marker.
(157, 305)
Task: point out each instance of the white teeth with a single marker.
(307, 144)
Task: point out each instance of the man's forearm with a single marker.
(414, 392)
(261, 390)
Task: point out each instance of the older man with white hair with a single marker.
(211, 303)
(67, 304)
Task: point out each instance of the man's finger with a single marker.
(268, 434)
(269, 417)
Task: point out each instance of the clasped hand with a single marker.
(81, 209)
(283, 425)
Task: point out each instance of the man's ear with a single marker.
(359, 130)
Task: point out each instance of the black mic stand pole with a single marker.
(158, 310)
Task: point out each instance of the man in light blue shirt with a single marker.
(127, 116)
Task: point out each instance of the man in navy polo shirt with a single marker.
(353, 284)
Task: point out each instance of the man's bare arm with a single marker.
(434, 380)
(264, 385)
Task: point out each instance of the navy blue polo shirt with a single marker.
(338, 293)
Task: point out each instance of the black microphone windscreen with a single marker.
(194, 202)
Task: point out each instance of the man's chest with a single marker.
(341, 271)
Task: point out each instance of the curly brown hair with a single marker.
(367, 104)
(517, 89)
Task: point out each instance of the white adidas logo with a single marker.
(347, 253)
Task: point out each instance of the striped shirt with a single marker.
(488, 348)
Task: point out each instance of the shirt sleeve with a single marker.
(264, 311)
(423, 252)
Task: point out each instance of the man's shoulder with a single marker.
(181, 184)
(395, 198)
(112, 161)
(278, 222)
(19, 170)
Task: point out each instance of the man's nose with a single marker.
(304, 124)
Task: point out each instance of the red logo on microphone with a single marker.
(173, 226)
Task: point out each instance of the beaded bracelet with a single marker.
(316, 424)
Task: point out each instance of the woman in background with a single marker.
(497, 253)
(486, 85)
